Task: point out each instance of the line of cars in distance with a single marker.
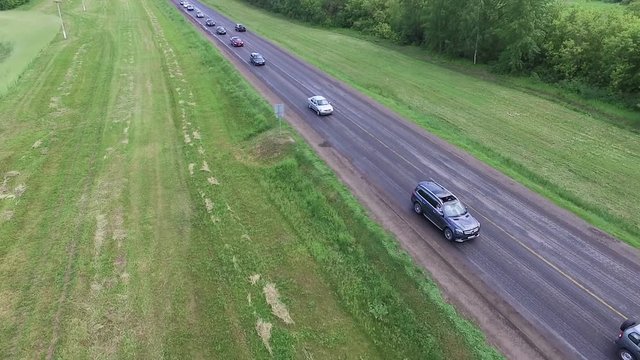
(255, 58)
(429, 198)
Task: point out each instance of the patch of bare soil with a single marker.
(6, 215)
(99, 235)
(205, 166)
(208, 204)
(271, 146)
(5, 192)
(253, 279)
(191, 168)
(19, 190)
(213, 181)
(264, 331)
(196, 135)
(36, 144)
(277, 307)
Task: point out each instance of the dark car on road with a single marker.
(445, 211)
(628, 341)
(257, 59)
(236, 41)
(210, 22)
(240, 28)
(220, 30)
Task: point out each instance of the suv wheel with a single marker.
(624, 354)
(417, 208)
(448, 234)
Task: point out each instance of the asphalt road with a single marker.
(574, 284)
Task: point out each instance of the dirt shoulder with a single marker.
(504, 327)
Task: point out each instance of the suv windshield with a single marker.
(453, 209)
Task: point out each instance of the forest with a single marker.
(578, 46)
(10, 4)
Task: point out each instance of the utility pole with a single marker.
(64, 32)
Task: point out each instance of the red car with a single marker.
(236, 41)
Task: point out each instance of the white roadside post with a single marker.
(84, 8)
(64, 32)
(279, 110)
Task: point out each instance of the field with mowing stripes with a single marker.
(150, 208)
(582, 156)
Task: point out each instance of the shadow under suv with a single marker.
(445, 211)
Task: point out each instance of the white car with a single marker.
(320, 105)
(200, 14)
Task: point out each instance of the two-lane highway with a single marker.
(573, 283)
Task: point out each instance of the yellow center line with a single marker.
(525, 246)
(569, 277)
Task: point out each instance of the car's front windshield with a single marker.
(453, 209)
(323, 102)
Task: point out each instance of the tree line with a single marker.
(10, 4)
(555, 41)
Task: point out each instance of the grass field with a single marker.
(22, 35)
(148, 209)
(589, 164)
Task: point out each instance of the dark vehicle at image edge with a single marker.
(445, 211)
(628, 341)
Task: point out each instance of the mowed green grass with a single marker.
(583, 162)
(150, 209)
(22, 35)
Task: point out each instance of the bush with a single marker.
(11, 4)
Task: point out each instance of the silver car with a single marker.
(199, 14)
(320, 105)
(628, 341)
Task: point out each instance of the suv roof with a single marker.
(634, 328)
(438, 190)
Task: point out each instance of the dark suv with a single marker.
(445, 211)
(628, 341)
